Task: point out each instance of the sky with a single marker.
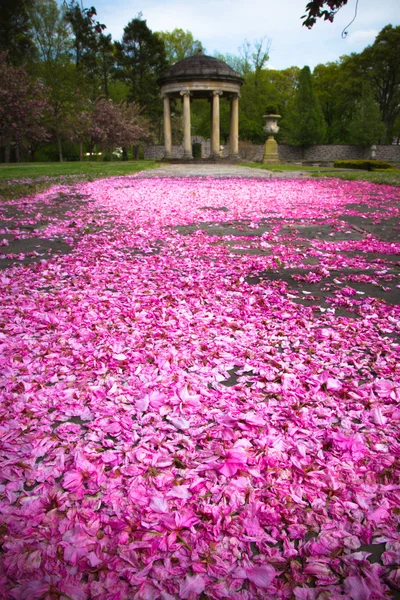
(223, 25)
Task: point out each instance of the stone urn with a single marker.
(271, 128)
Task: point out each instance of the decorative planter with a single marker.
(271, 128)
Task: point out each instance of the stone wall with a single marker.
(326, 152)
(157, 152)
(330, 152)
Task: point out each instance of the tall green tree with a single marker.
(141, 59)
(282, 87)
(273, 88)
(84, 29)
(93, 51)
(252, 57)
(64, 84)
(235, 61)
(305, 124)
(366, 126)
(338, 87)
(380, 63)
(49, 31)
(255, 56)
(179, 44)
(105, 62)
(15, 31)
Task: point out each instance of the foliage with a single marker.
(305, 123)
(179, 44)
(70, 54)
(366, 165)
(114, 125)
(337, 88)
(252, 57)
(105, 62)
(269, 87)
(93, 50)
(141, 59)
(66, 92)
(234, 61)
(380, 64)
(15, 31)
(49, 31)
(201, 118)
(84, 30)
(271, 109)
(274, 88)
(255, 56)
(22, 106)
(366, 127)
(318, 9)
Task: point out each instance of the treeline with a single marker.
(67, 89)
(355, 100)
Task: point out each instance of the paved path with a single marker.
(218, 170)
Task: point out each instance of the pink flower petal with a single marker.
(261, 576)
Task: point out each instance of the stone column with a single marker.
(234, 128)
(211, 127)
(215, 124)
(167, 127)
(187, 138)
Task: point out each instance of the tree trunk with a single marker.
(17, 155)
(124, 154)
(7, 152)
(60, 154)
(80, 151)
(136, 150)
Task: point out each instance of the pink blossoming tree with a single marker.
(22, 107)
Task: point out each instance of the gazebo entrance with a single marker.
(202, 76)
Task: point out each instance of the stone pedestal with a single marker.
(271, 128)
(271, 155)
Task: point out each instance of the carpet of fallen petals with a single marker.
(130, 470)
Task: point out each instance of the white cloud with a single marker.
(363, 37)
(223, 25)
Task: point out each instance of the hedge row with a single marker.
(366, 165)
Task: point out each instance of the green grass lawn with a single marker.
(389, 177)
(21, 179)
(85, 169)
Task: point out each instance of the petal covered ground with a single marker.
(175, 425)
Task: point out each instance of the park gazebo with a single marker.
(201, 76)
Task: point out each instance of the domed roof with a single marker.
(198, 67)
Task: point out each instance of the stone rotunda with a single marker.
(201, 76)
